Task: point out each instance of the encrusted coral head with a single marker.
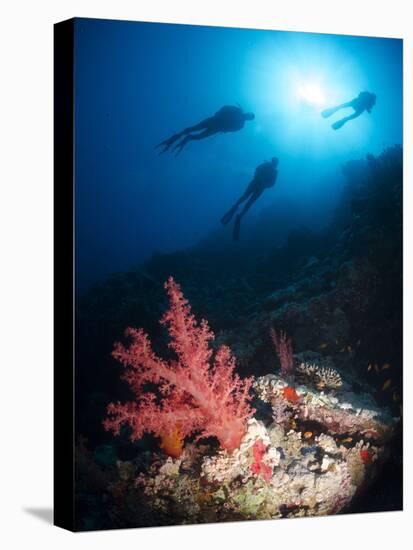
(320, 377)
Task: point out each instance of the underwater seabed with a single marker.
(324, 438)
(305, 453)
(321, 453)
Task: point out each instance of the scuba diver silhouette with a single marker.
(228, 119)
(265, 176)
(365, 101)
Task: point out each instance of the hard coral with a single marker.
(319, 377)
(197, 393)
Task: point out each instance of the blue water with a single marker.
(138, 83)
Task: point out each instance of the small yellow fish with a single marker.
(386, 385)
(307, 435)
(323, 345)
(347, 440)
(370, 366)
(293, 424)
(349, 349)
(386, 366)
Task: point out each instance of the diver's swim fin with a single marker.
(165, 146)
(337, 125)
(167, 143)
(328, 112)
(226, 218)
(237, 227)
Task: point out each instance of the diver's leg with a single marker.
(328, 112)
(340, 123)
(247, 206)
(203, 125)
(226, 218)
(249, 203)
(193, 137)
(345, 105)
(167, 143)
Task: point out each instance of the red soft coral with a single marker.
(197, 393)
(258, 466)
(284, 350)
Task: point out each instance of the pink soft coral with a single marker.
(197, 393)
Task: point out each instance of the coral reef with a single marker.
(297, 467)
(320, 377)
(345, 413)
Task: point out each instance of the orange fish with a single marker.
(386, 385)
(205, 498)
(370, 366)
(307, 435)
(323, 346)
(172, 444)
(386, 366)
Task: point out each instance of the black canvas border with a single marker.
(63, 247)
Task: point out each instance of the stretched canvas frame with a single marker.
(237, 434)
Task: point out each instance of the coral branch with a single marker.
(196, 393)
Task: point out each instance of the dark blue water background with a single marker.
(137, 83)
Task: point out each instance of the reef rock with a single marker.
(312, 458)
